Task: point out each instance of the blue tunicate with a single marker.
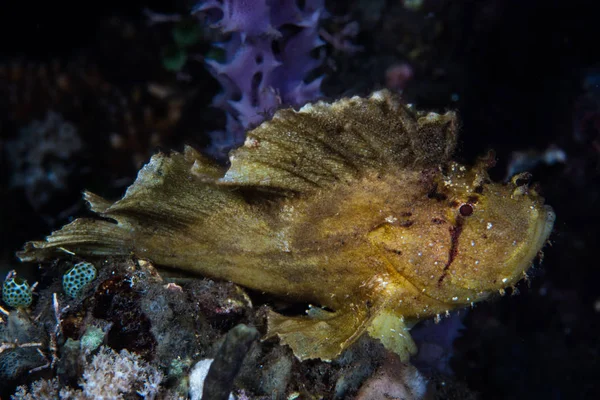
(17, 293)
(78, 278)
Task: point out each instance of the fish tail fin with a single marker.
(163, 212)
(82, 236)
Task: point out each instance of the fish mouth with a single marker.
(540, 232)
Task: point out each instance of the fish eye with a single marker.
(466, 210)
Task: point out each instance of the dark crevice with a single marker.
(435, 194)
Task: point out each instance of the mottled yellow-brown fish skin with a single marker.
(354, 206)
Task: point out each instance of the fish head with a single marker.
(470, 237)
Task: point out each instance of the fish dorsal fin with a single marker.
(326, 143)
(171, 184)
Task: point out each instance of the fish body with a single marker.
(352, 206)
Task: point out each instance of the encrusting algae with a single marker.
(354, 206)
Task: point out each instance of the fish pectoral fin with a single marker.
(321, 334)
(393, 333)
(325, 335)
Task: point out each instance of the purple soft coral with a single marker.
(266, 62)
(246, 17)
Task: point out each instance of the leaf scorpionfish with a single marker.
(354, 206)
